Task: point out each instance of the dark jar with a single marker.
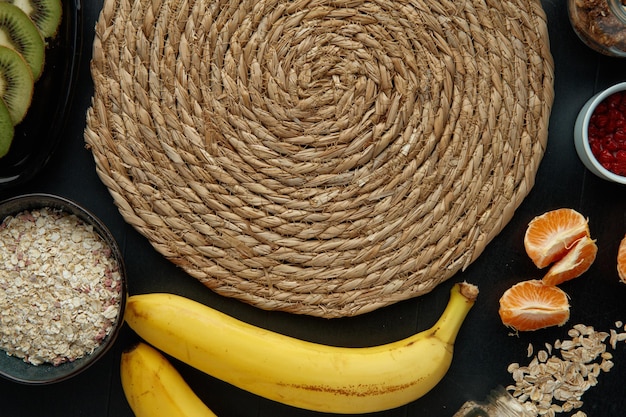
(601, 24)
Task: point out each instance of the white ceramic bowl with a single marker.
(581, 139)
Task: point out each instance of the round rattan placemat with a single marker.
(323, 157)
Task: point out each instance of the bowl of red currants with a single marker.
(600, 134)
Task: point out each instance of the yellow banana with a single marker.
(296, 372)
(154, 388)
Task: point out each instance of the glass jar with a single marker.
(498, 404)
(601, 24)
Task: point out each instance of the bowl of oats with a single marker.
(62, 289)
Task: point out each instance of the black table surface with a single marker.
(484, 347)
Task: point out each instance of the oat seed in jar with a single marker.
(601, 24)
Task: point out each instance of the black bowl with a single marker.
(14, 368)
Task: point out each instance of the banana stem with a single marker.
(462, 298)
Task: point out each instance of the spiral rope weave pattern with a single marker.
(321, 157)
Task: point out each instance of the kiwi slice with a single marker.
(16, 83)
(46, 14)
(7, 131)
(19, 32)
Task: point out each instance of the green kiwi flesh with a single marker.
(16, 83)
(46, 14)
(7, 131)
(19, 32)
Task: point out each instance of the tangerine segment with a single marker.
(533, 305)
(550, 235)
(621, 260)
(576, 262)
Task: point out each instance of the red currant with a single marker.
(607, 133)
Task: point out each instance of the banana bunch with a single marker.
(153, 387)
(296, 372)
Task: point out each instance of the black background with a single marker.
(484, 346)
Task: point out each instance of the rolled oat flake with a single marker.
(60, 287)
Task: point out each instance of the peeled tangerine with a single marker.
(559, 238)
(621, 260)
(575, 262)
(533, 305)
(551, 235)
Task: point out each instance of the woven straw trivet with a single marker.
(324, 157)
